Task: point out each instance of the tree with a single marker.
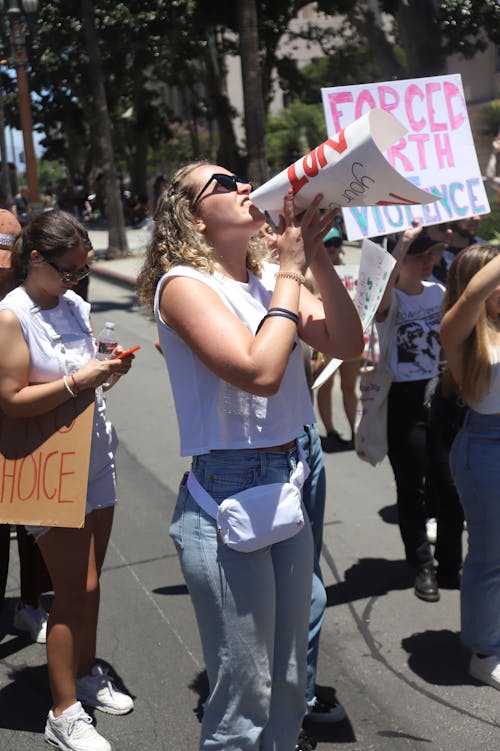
(117, 237)
(252, 91)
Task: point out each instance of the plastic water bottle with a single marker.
(106, 341)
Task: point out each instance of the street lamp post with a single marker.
(18, 44)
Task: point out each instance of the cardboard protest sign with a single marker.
(435, 153)
(44, 464)
(349, 169)
(375, 268)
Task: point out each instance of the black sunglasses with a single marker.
(68, 277)
(229, 182)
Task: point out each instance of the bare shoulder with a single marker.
(9, 320)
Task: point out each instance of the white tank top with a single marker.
(489, 403)
(213, 414)
(60, 341)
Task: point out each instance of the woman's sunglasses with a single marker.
(69, 277)
(229, 182)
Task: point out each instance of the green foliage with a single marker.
(490, 225)
(181, 147)
(490, 117)
(296, 130)
(49, 172)
(466, 23)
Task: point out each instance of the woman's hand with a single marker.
(300, 237)
(96, 373)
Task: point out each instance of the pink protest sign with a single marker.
(349, 169)
(435, 151)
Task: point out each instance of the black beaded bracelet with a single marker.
(283, 314)
(289, 314)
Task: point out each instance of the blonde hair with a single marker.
(177, 241)
(475, 367)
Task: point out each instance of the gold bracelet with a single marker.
(291, 275)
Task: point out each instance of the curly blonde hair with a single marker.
(475, 367)
(177, 241)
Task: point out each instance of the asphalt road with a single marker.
(396, 662)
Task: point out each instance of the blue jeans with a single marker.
(314, 496)
(249, 609)
(475, 465)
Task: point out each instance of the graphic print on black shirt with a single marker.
(417, 343)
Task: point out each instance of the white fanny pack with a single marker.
(259, 516)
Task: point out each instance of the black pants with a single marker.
(445, 418)
(407, 439)
(35, 578)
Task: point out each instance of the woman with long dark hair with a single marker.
(47, 357)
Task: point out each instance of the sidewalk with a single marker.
(120, 270)
(124, 270)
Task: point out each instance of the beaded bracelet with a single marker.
(68, 387)
(300, 278)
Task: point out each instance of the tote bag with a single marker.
(375, 382)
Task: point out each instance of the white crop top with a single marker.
(213, 414)
(489, 403)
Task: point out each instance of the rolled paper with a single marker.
(349, 169)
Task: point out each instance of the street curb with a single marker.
(125, 280)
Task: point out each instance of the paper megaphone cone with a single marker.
(348, 169)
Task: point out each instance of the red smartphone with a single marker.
(127, 352)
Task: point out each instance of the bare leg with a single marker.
(101, 522)
(74, 558)
(324, 401)
(349, 372)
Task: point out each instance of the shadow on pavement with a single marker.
(25, 701)
(175, 589)
(389, 514)
(438, 657)
(370, 577)
(200, 686)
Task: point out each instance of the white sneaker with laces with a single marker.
(33, 620)
(97, 690)
(486, 669)
(325, 711)
(73, 731)
(431, 531)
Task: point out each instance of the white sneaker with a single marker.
(97, 690)
(73, 731)
(33, 620)
(486, 669)
(431, 530)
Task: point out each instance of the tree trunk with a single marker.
(139, 159)
(421, 37)
(5, 177)
(220, 108)
(367, 19)
(117, 237)
(252, 91)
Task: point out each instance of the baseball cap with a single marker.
(9, 230)
(332, 235)
(422, 243)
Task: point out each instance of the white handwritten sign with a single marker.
(435, 151)
(375, 267)
(349, 169)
